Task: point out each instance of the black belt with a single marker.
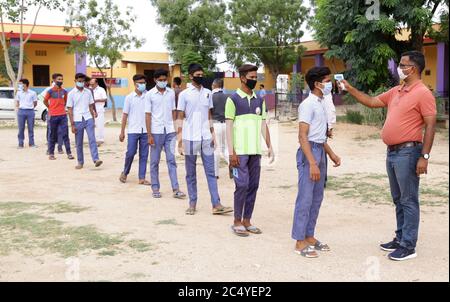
(403, 145)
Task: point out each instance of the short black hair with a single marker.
(87, 78)
(177, 80)
(417, 58)
(218, 82)
(138, 77)
(25, 82)
(246, 68)
(80, 76)
(194, 67)
(55, 75)
(262, 85)
(316, 74)
(160, 72)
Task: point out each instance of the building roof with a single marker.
(43, 33)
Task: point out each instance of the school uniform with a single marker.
(161, 107)
(247, 113)
(100, 94)
(26, 115)
(310, 193)
(197, 140)
(134, 106)
(79, 101)
(220, 129)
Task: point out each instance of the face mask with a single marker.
(198, 80)
(141, 87)
(59, 84)
(401, 73)
(327, 88)
(20, 87)
(80, 84)
(161, 84)
(251, 84)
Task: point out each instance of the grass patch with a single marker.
(139, 245)
(374, 189)
(167, 222)
(367, 137)
(26, 228)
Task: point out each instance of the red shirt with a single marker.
(57, 98)
(407, 106)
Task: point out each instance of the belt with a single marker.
(402, 145)
(221, 122)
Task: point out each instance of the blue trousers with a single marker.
(135, 140)
(404, 183)
(58, 123)
(26, 115)
(310, 193)
(205, 149)
(89, 126)
(166, 141)
(60, 141)
(247, 183)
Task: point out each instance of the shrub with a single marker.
(354, 117)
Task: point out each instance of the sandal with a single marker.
(52, 157)
(144, 182)
(179, 195)
(156, 195)
(98, 163)
(308, 252)
(240, 230)
(319, 246)
(190, 211)
(254, 230)
(123, 178)
(222, 210)
(70, 156)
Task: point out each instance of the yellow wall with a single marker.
(430, 52)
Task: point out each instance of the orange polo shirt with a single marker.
(407, 106)
(57, 98)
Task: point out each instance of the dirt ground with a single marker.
(61, 224)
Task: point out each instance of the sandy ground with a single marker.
(202, 247)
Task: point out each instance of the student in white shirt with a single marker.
(100, 99)
(80, 104)
(26, 101)
(196, 137)
(134, 114)
(330, 111)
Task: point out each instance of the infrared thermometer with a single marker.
(339, 77)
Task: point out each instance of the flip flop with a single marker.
(179, 195)
(190, 211)
(239, 231)
(144, 183)
(308, 252)
(254, 230)
(222, 210)
(70, 156)
(123, 178)
(52, 157)
(156, 195)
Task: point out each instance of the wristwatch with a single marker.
(426, 156)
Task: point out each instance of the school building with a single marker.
(46, 53)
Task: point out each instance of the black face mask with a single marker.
(251, 84)
(198, 80)
(59, 84)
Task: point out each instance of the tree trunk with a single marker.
(113, 103)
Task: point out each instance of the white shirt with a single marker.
(330, 110)
(26, 99)
(99, 94)
(161, 106)
(311, 111)
(196, 104)
(134, 106)
(79, 101)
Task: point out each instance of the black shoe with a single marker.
(390, 246)
(402, 253)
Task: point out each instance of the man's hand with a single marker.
(234, 160)
(271, 155)
(151, 140)
(346, 85)
(314, 172)
(180, 147)
(330, 133)
(74, 129)
(422, 166)
(95, 114)
(336, 160)
(122, 137)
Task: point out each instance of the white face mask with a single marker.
(401, 74)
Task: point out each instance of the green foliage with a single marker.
(14, 59)
(297, 83)
(265, 32)
(194, 29)
(354, 117)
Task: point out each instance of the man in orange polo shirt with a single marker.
(55, 100)
(411, 108)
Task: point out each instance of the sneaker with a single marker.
(402, 253)
(390, 246)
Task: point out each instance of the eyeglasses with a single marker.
(405, 65)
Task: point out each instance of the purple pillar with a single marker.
(393, 68)
(297, 67)
(319, 60)
(80, 63)
(442, 69)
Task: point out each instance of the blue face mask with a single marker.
(141, 87)
(20, 87)
(161, 84)
(80, 84)
(327, 88)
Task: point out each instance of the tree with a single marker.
(108, 33)
(266, 31)
(194, 28)
(14, 55)
(363, 36)
(14, 11)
